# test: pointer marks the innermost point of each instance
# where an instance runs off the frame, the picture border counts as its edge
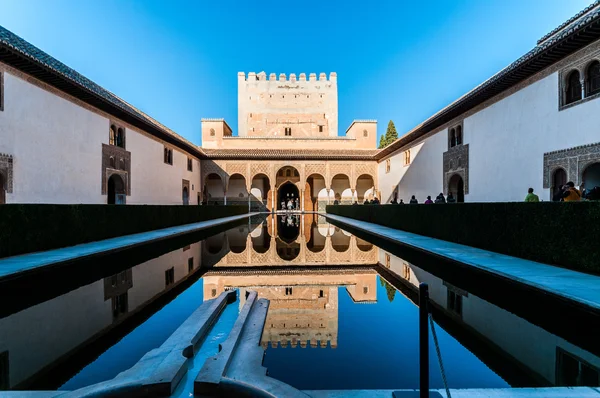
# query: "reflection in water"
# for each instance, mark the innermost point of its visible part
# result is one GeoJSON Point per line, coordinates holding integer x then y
{"type": "Point", "coordinates": [330, 314]}
{"type": "Point", "coordinates": [530, 355]}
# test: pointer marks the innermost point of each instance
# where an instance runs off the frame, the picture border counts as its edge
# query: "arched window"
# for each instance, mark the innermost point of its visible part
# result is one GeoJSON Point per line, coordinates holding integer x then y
{"type": "Point", "coordinates": [112, 137]}
{"type": "Point", "coordinates": [593, 78]}
{"type": "Point", "coordinates": [452, 138]}
{"type": "Point", "coordinates": [112, 162]}
{"type": "Point", "coordinates": [280, 173]}
{"type": "Point", "coordinates": [573, 88]}
{"type": "Point", "coordinates": [120, 138]}
{"type": "Point", "coordinates": [296, 174]}
{"type": "Point", "coordinates": [288, 173]}
{"type": "Point", "coordinates": [121, 164]}
{"type": "Point", "coordinates": [458, 135]}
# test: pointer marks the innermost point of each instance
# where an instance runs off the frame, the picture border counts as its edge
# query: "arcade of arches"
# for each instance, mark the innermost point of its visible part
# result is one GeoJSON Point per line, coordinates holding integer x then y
{"type": "Point", "coordinates": [307, 186]}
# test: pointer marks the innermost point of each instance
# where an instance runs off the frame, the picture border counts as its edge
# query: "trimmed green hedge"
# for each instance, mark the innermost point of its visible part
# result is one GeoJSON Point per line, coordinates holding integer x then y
{"type": "Point", "coordinates": [27, 228]}
{"type": "Point", "coordinates": [559, 233]}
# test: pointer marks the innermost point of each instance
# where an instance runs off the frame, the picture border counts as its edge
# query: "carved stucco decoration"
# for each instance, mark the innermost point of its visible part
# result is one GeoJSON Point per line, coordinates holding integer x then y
{"type": "Point", "coordinates": [573, 161]}
{"type": "Point", "coordinates": [115, 160]}
{"type": "Point", "coordinates": [456, 162]}
{"type": "Point", "coordinates": [6, 169]}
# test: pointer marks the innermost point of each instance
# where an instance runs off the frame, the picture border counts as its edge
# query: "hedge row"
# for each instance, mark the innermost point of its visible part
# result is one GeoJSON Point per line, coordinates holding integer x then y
{"type": "Point", "coordinates": [27, 228]}
{"type": "Point", "coordinates": [565, 234]}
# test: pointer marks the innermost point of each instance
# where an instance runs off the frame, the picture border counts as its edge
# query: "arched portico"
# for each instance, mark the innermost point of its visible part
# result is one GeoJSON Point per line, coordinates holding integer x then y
{"type": "Point", "coordinates": [260, 193]}
{"type": "Point", "coordinates": [342, 192]}
{"type": "Point", "coordinates": [214, 189]}
{"type": "Point", "coordinates": [237, 192]}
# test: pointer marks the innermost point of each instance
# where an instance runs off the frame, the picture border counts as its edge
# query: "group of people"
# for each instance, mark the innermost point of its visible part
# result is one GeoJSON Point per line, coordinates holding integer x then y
{"type": "Point", "coordinates": [438, 199]}
{"type": "Point", "coordinates": [291, 204]}
{"type": "Point", "coordinates": [569, 193]}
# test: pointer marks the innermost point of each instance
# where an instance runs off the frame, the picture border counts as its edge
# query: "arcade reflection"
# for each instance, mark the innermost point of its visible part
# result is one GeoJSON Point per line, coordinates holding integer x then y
{"type": "Point", "coordinates": [289, 239]}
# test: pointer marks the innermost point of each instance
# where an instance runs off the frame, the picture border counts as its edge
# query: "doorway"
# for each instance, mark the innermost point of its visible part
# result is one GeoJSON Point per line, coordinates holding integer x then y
{"type": "Point", "coordinates": [116, 190]}
{"type": "Point", "coordinates": [288, 192]}
{"type": "Point", "coordinates": [456, 185]}
{"type": "Point", "coordinates": [559, 178]}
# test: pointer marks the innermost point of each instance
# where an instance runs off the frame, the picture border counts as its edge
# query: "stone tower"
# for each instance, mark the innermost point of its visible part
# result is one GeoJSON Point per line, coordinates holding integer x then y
{"type": "Point", "coordinates": [299, 107]}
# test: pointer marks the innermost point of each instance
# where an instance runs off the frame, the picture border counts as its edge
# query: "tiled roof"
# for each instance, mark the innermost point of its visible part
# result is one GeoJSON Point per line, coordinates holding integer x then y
{"type": "Point", "coordinates": [24, 56]}
{"type": "Point", "coordinates": [570, 20]}
{"type": "Point", "coordinates": [555, 46]}
{"type": "Point", "coordinates": [268, 154]}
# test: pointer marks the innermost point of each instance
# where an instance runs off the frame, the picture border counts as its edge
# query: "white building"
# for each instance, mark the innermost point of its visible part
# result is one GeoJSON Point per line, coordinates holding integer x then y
{"type": "Point", "coordinates": [64, 139]}
{"type": "Point", "coordinates": [533, 124]}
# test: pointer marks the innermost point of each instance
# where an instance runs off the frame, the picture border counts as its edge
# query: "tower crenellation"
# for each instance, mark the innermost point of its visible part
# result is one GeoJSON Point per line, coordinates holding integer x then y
{"type": "Point", "coordinates": [287, 105]}
{"type": "Point", "coordinates": [252, 76]}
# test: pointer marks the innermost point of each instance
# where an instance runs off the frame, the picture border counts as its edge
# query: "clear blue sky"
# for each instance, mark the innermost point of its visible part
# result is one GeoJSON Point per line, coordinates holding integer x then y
{"type": "Point", "coordinates": [178, 60]}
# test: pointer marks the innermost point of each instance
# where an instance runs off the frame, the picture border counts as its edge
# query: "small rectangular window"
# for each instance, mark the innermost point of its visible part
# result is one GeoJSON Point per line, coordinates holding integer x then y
{"type": "Point", "coordinates": [407, 157]}
{"type": "Point", "coordinates": [320, 293]}
{"type": "Point", "coordinates": [388, 165]}
{"type": "Point", "coordinates": [169, 276]}
{"type": "Point", "coordinates": [320, 129]}
{"type": "Point", "coordinates": [189, 164]}
{"type": "Point", "coordinates": [190, 264]}
{"type": "Point", "coordinates": [454, 302]}
{"type": "Point", "coordinates": [365, 289]}
{"type": "Point", "coordinates": [387, 260]}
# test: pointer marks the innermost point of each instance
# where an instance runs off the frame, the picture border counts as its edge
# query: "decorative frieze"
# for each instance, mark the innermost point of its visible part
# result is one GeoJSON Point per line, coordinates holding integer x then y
{"type": "Point", "coordinates": [6, 169]}
{"type": "Point", "coordinates": [573, 161]}
{"type": "Point", "coordinates": [456, 162]}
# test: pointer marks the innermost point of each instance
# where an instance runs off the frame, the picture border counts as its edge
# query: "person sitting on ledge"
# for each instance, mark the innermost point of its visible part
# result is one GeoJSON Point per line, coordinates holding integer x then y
{"type": "Point", "coordinates": [375, 200]}
{"type": "Point", "coordinates": [450, 198]}
{"type": "Point", "coordinates": [531, 197]}
{"type": "Point", "coordinates": [429, 201]}
{"type": "Point", "coordinates": [401, 202]}
{"type": "Point", "coordinates": [440, 198]}
{"type": "Point", "coordinates": [335, 202]}
{"type": "Point", "coordinates": [394, 201]}
{"type": "Point", "coordinates": [355, 203]}
{"type": "Point", "coordinates": [413, 200]}
{"type": "Point", "coordinates": [570, 193]}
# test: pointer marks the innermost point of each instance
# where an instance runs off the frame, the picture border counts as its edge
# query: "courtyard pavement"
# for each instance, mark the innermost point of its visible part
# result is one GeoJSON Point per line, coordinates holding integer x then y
{"type": "Point", "coordinates": [13, 266]}
{"type": "Point", "coordinates": [573, 285]}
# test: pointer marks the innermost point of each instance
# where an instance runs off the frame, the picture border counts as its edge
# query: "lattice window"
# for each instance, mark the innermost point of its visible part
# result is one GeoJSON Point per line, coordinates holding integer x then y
{"type": "Point", "coordinates": [573, 92]}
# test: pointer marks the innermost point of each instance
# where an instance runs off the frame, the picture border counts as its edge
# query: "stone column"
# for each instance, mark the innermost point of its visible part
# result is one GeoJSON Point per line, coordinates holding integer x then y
{"type": "Point", "coordinates": [273, 204]}
{"type": "Point", "coordinates": [582, 82]}
{"type": "Point", "coordinates": [225, 198]}
{"type": "Point", "coordinates": [301, 200]}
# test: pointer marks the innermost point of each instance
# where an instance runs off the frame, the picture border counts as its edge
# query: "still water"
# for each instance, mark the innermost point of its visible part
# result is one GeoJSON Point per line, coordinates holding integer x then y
{"type": "Point", "coordinates": [342, 315]}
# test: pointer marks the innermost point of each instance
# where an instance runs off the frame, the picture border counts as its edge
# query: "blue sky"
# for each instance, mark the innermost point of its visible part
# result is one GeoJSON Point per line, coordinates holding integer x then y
{"type": "Point", "coordinates": [178, 60]}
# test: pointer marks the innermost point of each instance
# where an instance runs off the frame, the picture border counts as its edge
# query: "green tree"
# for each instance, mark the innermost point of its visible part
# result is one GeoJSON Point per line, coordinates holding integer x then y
{"type": "Point", "coordinates": [382, 143]}
{"type": "Point", "coordinates": [390, 136]}
{"type": "Point", "coordinates": [390, 290]}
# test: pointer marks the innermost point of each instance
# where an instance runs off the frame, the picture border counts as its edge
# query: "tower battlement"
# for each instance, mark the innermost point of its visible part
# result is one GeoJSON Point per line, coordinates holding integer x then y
{"type": "Point", "coordinates": [295, 105]}
{"type": "Point", "coordinates": [282, 77]}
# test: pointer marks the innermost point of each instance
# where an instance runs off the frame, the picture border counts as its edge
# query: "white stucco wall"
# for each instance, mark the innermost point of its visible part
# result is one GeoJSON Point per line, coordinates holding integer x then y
{"type": "Point", "coordinates": [57, 152]}
{"type": "Point", "coordinates": [422, 177]}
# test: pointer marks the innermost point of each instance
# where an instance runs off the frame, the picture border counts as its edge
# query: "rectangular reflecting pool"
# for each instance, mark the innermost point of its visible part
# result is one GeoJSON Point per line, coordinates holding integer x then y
{"type": "Point", "coordinates": [342, 315]}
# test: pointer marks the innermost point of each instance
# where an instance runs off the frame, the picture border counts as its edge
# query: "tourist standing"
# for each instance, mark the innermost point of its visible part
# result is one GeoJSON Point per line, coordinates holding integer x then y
{"type": "Point", "coordinates": [394, 201]}
{"type": "Point", "coordinates": [297, 204]}
{"type": "Point", "coordinates": [571, 194]}
{"type": "Point", "coordinates": [450, 198]}
{"type": "Point", "coordinates": [429, 201]}
{"type": "Point", "coordinates": [531, 197]}
{"type": "Point", "coordinates": [413, 200]}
